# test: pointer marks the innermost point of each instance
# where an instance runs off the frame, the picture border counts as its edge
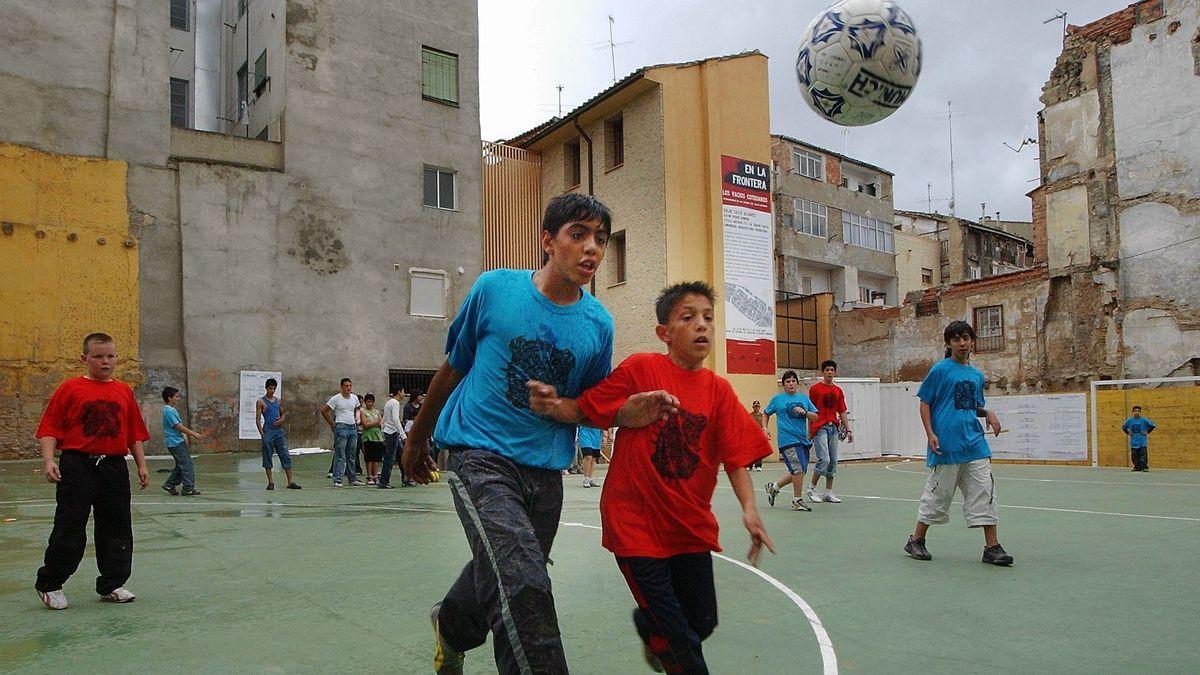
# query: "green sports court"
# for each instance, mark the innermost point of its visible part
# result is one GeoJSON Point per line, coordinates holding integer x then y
{"type": "Point", "coordinates": [322, 580]}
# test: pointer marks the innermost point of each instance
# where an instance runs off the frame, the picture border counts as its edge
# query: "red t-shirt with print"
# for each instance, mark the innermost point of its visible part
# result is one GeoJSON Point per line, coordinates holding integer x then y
{"type": "Point", "coordinates": [657, 499]}
{"type": "Point", "coordinates": [99, 418]}
{"type": "Point", "coordinates": [830, 401]}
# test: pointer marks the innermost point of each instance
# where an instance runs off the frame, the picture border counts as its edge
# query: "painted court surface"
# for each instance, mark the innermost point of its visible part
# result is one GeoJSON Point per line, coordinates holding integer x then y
{"type": "Point", "coordinates": [322, 580]}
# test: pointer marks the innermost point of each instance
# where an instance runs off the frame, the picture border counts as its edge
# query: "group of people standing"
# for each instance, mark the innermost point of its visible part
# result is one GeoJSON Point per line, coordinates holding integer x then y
{"type": "Point", "coordinates": [361, 428]}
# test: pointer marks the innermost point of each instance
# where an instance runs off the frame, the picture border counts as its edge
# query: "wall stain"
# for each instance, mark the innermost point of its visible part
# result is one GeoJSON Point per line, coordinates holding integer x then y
{"type": "Point", "coordinates": [316, 240]}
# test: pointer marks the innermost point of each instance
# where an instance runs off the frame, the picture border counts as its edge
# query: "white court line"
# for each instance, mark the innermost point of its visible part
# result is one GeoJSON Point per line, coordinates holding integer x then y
{"type": "Point", "coordinates": [828, 656]}
{"type": "Point", "coordinates": [1044, 508]}
{"type": "Point", "coordinates": [889, 467]}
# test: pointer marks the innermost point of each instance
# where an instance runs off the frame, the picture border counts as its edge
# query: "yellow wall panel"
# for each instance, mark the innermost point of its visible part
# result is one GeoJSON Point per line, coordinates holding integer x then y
{"type": "Point", "coordinates": [1172, 445]}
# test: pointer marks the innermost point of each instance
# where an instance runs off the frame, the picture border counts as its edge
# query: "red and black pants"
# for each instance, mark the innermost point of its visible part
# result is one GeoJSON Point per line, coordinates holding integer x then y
{"type": "Point", "coordinates": [677, 607]}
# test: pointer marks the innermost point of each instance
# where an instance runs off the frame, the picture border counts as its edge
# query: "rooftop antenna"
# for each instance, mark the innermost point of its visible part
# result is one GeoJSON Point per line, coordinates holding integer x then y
{"type": "Point", "coordinates": [950, 128]}
{"type": "Point", "coordinates": [1061, 16]}
{"type": "Point", "coordinates": [612, 46]}
{"type": "Point", "coordinates": [560, 88]}
{"type": "Point", "coordinates": [928, 197]}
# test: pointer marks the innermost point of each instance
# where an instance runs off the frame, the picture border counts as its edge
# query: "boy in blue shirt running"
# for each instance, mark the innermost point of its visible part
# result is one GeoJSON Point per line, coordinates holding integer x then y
{"type": "Point", "coordinates": [513, 327]}
{"type": "Point", "coordinates": [794, 410]}
{"type": "Point", "coordinates": [958, 455]}
{"type": "Point", "coordinates": [175, 437]}
{"type": "Point", "coordinates": [1138, 429]}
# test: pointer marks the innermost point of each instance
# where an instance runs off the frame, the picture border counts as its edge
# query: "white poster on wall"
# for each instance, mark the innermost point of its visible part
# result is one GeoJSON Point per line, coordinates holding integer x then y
{"type": "Point", "coordinates": [251, 388]}
{"type": "Point", "coordinates": [1049, 427]}
{"type": "Point", "coordinates": [749, 267]}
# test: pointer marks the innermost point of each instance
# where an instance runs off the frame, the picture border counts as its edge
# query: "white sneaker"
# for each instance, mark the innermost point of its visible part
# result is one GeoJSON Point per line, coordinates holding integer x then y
{"type": "Point", "coordinates": [587, 483]}
{"type": "Point", "coordinates": [121, 594]}
{"type": "Point", "coordinates": [54, 599]}
{"type": "Point", "coordinates": [758, 468]}
{"type": "Point", "coordinates": [772, 491]}
{"type": "Point", "coordinates": [811, 494]}
{"type": "Point", "coordinates": [832, 498]}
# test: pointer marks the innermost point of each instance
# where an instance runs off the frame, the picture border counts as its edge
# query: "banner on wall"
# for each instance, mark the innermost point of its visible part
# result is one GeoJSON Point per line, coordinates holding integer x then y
{"type": "Point", "coordinates": [749, 260]}
{"type": "Point", "coordinates": [251, 388]}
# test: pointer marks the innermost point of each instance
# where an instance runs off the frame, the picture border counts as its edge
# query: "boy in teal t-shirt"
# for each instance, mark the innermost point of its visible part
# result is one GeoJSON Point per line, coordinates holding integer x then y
{"type": "Point", "coordinates": [175, 437]}
{"type": "Point", "coordinates": [1138, 429]}
{"type": "Point", "coordinates": [794, 410]}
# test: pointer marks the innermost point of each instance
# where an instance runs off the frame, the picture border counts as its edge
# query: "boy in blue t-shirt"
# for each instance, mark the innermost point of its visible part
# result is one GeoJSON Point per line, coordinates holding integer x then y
{"type": "Point", "coordinates": [589, 440]}
{"type": "Point", "coordinates": [794, 410]}
{"type": "Point", "coordinates": [175, 437]}
{"type": "Point", "coordinates": [1138, 429]}
{"type": "Point", "coordinates": [513, 327]}
{"type": "Point", "coordinates": [958, 455]}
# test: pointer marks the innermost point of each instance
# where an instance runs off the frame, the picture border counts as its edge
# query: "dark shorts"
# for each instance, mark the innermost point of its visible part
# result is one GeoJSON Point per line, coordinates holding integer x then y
{"type": "Point", "coordinates": [373, 451]}
{"type": "Point", "coordinates": [590, 452]}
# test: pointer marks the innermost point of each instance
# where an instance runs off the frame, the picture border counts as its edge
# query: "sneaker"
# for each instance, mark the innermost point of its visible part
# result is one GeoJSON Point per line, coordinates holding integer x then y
{"type": "Point", "coordinates": [54, 599]}
{"type": "Point", "coordinates": [651, 659]}
{"type": "Point", "coordinates": [358, 483]}
{"type": "Point", "coordinates": [337, 483]}
{"type": "Point", "coordinates": [293, 486]}
{"type": "Point", "coordinates": [386, 486]}
{"type": "Point", "coordinates": [832, 498]}
{"type": "Point", "coordinates": [120, 594]}
{"type": "Point", "coordinates": [772, 491]}
{"type": "Point", "coordinates": [595, 483]}
{"type": "Point", "coordinates": [996, 555]}
{"type": "Point", "coordinates": [170, 489]}
{"type": "Point", "coordinates": [587, 483]}
{"type": "Point", "coordinates": [329, 475]}
{"type": "Point", "coordinates": [446, 661]}
{"type": "Point", "coordinates": [408, 483]}
{"type": "Point", "coordinates": [799, 505]}
{"type": "Point", "coordinates": [916, 549]}
{"type": "Point", "coordinates": [270, 486]}
{"type": "Point", "coordinates": [190, 493]}
{"type": "Point", "coordinates": [371, 481]}
{"type": "Point", "coordinates": [811, 493]}
{"type": "Point", "coordinates": [758, 468]}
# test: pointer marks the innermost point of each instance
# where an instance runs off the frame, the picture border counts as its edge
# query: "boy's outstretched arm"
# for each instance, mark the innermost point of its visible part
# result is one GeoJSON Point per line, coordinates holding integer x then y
{"type": "Point", "coordinates": [639, 410]}
{"type": "Point", "coordinates": [743, 488]}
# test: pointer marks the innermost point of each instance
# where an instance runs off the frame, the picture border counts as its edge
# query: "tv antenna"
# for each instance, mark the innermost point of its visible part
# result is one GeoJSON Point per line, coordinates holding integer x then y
{"type": "Point", "coordinates": [1061, 16]}
{"type": "Point", "coordinates": [950, 131]}
{"type": "Point", "coordinates": [612, 46]}
{"type": "Point", "coordinates": [560, 88]}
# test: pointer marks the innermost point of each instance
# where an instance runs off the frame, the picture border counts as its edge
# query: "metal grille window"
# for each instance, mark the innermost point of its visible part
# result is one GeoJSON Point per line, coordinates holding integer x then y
{"type": "Point", "coordinates": [795, 331]}
{"type": "Point", "coordinates": [867, 232]}
{"type": "Point", "coordinates": [179, 103]}
{"type": "Point", "coordinates": [439, 76]}
{"type": "Point", "coordinates": [808, 164]}
{"type": "Point", "coordinates": [811, 218]}
{"type": "Point", "coordinates": [179, 14]}
{"type": "Point", "coordinates": [440, 188]}
{"type": "Point", "coordinates": [989, 328]}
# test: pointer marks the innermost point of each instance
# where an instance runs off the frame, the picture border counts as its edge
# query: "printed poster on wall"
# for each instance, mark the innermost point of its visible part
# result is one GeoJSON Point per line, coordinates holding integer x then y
{"type": "Point", "coordinates": [749, 261]}
{"type": "Point", "coordinates": [251, 388]}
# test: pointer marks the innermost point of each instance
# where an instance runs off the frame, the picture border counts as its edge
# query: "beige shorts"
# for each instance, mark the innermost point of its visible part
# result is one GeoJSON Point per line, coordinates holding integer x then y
{"type": "Point", "coordinates": [978, 487]}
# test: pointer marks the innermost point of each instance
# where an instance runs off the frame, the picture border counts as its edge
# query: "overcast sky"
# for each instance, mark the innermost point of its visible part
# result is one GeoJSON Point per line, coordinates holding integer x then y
{"type": "Point", "coordinates": [990, 59]}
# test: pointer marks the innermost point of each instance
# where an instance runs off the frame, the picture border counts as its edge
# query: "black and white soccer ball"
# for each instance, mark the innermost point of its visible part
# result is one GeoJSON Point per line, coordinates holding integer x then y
{"type": "Point", "coordinates": [859, 61]}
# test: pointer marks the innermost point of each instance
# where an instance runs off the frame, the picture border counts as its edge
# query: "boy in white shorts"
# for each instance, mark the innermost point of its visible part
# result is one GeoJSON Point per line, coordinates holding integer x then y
{"type": "Point", "coordinates": [958, 456]}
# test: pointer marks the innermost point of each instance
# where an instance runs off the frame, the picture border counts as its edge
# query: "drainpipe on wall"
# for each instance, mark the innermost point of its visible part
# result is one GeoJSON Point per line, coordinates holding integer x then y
{"type": "Point", "coordinates": [591, 179]}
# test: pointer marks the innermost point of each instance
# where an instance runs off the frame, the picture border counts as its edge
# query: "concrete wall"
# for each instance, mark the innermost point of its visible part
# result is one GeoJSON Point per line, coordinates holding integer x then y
{"type": "Point", "coordinates": [73, 270]}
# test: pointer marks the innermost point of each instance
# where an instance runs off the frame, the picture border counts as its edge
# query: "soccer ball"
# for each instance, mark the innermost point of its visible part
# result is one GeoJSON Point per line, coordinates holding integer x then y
{"type": "Point", "coordinates": [858, 61]}
{"type": "Point", "coordinates": [435, 475]}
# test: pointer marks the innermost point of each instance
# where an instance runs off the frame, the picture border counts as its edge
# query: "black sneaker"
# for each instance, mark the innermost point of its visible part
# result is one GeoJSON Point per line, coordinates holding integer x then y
{"type": "Point", "coordinates": [270, 486]}
{"type": "Point", "coordinates": [996, 555]}
{"type": "Point", "coordinates": [190, 493]}
{"type": "Point", "coordinates": [916, 548]}
{"type": "Point", "coordinates": [386, 486]}
{"type": "Point", "coordinates": [170, 489]}
{"type": "Point", "coordinates": [293, 486]}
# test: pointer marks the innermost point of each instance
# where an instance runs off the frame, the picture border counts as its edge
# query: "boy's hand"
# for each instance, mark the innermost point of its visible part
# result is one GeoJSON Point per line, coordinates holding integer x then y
{"type": "Point", "coordinates": [758, 536]}
{"type": "Point", "coordinates": [417, 463]}
{"type": "Point", "coordinates": [50, 469]}
{"type": "Point", "coordinates": [933, 444]}
{"type": "Point", "coordinates": [144, 476]}
{"type": "Point", "coordinates": [993, 423]}
{"type": "Point", "coordinates": [648, 407]}
{"type": "Point", "coordinates": [543, 398]}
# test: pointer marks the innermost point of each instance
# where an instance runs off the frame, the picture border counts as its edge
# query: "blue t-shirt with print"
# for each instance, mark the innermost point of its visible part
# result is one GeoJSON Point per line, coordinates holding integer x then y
{"type": "Point", "coordinates": [1138, 428]}
{"type": "Point", "coordinates": [793, 426]}
{"type": "Point", "coordinates": [171, 436]}
{"type": "Point", "coordinates": [508, 333]}
{"type": "Point", "coordinates": [953, 391]}
{"type": "Point", "coordinates": [589, 437]}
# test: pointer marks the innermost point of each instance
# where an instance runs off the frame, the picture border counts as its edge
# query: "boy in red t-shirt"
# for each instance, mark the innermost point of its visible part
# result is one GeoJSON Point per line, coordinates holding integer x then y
{"type": "Point", "coordinates": [656, 506]}
{"type": "Point", "coordinates": [825, 431]}
{"type": "Point", "coordinates": [95, 421]}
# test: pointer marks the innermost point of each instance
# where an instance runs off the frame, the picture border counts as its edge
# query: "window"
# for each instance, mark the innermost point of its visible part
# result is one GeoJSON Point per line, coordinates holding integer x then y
{"type": "Point", "coordinates": [614, 142]}
{"type": "Point", "coordinates": [440, 188]}
{"type": "Point", "coordinates": [795, 331]}
{"type": "Point", "coordinates": [439, 76]}
{"type": "Point", "coordinates": [260, 73]}
{"type": "Point", "coordinates": [808, 164]}
{"type": "Point", "coordinates": [616, 250]}
{"type": "Point", "coordinates": [989, 328]}
{"type": "Point", "coordinates": [867, 232]}
{"type": "Point", "coordinates": [973, 272]}
{"type": "Point", "coordinates": [179, 103]}
{"type": "Point", "coordinates": [811, 218]}
{"type": "Point", "coordinates": [241, 7]}
{"type": "Point", "coordinates": [926, 276]}
{"type": "Point", "coordinates": [806, 285]}
{"type": "Point", "coordinates": [179, 14]}
{"type": "Point", "coordinates": [928, 307]}
{"type": "Point", "coordinates": [869, 296]}
{"type": "Point", "coordinates": [571, 170]}
{"type": "Point", "coordinates": [243, 88]}
{"type": "Point", "coordinates": [427, 293]}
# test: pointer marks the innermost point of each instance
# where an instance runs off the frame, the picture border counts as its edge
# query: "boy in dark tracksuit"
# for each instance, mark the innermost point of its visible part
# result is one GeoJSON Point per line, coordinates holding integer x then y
{"type": "Point", "coordinates": [94, 421]}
